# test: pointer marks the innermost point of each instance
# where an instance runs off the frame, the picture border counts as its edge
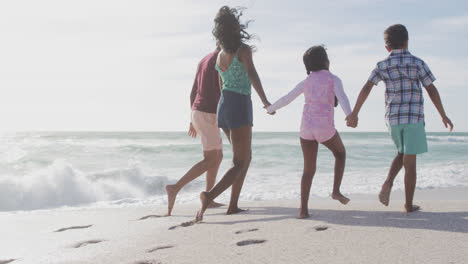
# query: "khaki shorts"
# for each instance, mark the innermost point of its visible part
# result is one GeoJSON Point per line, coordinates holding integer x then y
{"type": "Point", "coordinates": [207, 128]}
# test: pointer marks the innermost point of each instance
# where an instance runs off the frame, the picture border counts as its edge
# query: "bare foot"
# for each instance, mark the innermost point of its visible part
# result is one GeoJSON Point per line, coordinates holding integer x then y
{"type": "Point", "coordinates": [384, 195]}
{"type": "Point", "coordinates": [205, 201]}
{"type": "Point", "coordinates": [340, 197]}
{"type": "Point", "coordinates": [198, 217]}
{"type": "Point", "coordinates": [214, 204]}
{"type": "Point", "coordinates": [413, 208]}
{"type": "Point", "coordinates": [235, 211]}
{"type": "Point", "coordinates": [171, 197]}
{"type": "Point", "coordinates": [303, 214]}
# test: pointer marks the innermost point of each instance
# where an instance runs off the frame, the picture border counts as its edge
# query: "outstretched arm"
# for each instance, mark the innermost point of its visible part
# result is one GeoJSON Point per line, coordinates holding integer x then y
{"type": "Point", "coordinates": [435, 97]}
{"type": "Point", "coordinates": [287, 99]}
{"type": "Point", "coordinates": [341, 95]}
{"type": "Point", "coordinates": [352, 119]}
{"type": "Point", "coordinates": [245, 56]}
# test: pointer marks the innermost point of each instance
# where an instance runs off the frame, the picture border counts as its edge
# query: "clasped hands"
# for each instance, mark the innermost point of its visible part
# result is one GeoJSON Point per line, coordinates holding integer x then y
{"type": "Point", "coordinates": [266, 104]}
{"type": "Point", "coordinates": [352, 120]}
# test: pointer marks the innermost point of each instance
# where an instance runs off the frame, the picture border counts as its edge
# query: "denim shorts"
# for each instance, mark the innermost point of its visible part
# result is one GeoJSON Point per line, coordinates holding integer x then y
{"type": "Point", "coordinates": [234, 110]}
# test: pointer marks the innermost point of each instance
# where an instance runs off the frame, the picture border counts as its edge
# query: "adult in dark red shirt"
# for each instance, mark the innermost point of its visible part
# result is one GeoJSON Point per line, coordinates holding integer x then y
{"type": "Point", "coordinates": [203, 102]}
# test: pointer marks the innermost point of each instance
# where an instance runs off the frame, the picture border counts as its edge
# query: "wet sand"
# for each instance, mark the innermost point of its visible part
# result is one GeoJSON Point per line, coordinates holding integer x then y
{"type": "Point", "coordinates": [363, 231]}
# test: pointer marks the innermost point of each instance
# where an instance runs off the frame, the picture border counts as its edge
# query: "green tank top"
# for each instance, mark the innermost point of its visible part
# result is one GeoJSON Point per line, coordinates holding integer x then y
{"type": "Point", "coordinates": [235, 78]}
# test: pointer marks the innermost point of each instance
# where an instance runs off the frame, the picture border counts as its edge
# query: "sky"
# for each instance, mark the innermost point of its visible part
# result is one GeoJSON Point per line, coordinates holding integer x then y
{"type": "Point", "coordinates": [115, 65]}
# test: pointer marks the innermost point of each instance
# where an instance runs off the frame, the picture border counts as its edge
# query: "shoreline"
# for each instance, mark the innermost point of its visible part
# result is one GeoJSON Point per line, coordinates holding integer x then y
{"type": "Point", "coordinates": [428, 194]}
{"type": "Point", "coordinates": [363, 231]}
{"type": "Point", "coordinates": [439, 194]}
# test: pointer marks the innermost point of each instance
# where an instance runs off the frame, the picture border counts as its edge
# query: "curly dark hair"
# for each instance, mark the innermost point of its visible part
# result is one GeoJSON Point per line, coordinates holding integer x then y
{"type": "Point", "coordinates": [396, 36]}
{"type": "Point", "coordinates": [315, 59]}
{"type": "Point", "coordinates": [228, 30]}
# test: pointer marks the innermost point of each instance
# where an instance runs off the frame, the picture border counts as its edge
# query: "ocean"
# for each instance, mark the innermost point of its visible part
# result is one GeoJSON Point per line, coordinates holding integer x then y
{"type": "Point", "coordinates": [44, 170]}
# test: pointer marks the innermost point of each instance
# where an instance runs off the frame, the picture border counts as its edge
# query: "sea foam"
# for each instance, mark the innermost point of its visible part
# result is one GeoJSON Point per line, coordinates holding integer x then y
{"type": "Point", "coordinates": [50, 170]}
{"type": "Point", "coordinates": [60, 184]}
{"type": "Point", "coordinates": [448, 139]}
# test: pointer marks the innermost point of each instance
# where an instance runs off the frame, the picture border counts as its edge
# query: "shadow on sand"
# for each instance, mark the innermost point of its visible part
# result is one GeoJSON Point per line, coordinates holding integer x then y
{"type": "Point", "coordinates": [437, 221]}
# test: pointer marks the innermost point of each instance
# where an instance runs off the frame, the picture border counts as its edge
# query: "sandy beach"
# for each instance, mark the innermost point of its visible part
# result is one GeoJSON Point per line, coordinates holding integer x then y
{"type": "Point", "coordinates": [108, 107]}
{"type": "Point", "coordinates": [361, 232]}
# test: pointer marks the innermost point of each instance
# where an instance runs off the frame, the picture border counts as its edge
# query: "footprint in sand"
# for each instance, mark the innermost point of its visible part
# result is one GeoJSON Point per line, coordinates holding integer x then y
{"type": "Point", "coordinates": [320, 228]}
{"type": "Point", "coordinates": [184, 224]}
{"type": "Point", "coordinates": [158, 248]}
{"type": "Point", "coordinates": [250, 242]}
{"type": "Point", "coordinates": [87, 242]}
{"type": "Point", "coordinates": [147, 262]}
{"type": "Point", "coordinates": [151, 216]}
{"type": "Point", "coordinates": [246, 231]}
{"type": "Point", "coordinates": [6, 261]}
{"type": "Point", "coordinates": [73, 227]}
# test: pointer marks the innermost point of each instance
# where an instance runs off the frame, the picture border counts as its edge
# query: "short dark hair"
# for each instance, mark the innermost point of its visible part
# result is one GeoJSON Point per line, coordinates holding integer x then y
{"type": "Point", "coordinates": [315, 59]}
{"type": "Point", "coordinates": [396, 36]}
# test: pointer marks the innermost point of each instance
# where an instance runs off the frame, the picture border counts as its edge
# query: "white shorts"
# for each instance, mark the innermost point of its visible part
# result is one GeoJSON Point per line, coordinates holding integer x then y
{"type": "Point", "coordinates": [207, 128]}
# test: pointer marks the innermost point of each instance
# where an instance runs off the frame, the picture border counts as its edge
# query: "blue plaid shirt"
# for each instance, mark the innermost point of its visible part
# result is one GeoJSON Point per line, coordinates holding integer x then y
{"type": "Point", "coordinates": [402, 74]}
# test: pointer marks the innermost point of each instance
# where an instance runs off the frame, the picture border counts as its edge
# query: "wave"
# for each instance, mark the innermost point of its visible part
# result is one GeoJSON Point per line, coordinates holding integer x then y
{"type": "Point", "coordinates": [449, 139]}
{"type": "Point", "coordinates": [34, 174]}
{"type": "Point", "coordinates": [12, 154]}
{"type": "Point", "coordinates": [430, 176]}
{"type": "Point", "coordinates": [62, 185]}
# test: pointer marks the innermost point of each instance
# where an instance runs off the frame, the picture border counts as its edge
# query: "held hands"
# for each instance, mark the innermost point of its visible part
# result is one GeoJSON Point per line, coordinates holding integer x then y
{"type": "Point", "coordinates": [192, 132]}
{"type": "Point", "coordinates": [266, 104]}
{"type": "Point", "coordinates": [352, 120]}
{"type": "Point", "coordinates": [447, 122]}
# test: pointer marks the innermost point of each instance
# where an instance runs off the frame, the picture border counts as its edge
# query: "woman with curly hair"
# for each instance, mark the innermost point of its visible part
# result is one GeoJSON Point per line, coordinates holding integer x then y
{"type": "Point", "coordinates": [237, 74]}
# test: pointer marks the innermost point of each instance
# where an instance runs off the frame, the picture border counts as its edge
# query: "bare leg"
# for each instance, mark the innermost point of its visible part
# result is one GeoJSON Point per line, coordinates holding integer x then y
{"type": "Point", "coordinates": [240, 140]}
{"type": "Point", "coordinates": [309, 152]}
{"type": "Point", "coordinates": [337, 148]}
{"type": "Point", "coordinates": [409, 162]}
{"type": "Point", "coordinates": [211, 179]}
{"type": "Point", "coordinates": [211, 160]}
{"type": "Point", "coordinates": [237, 185]}
{"type": "Point", "coordinates": [232, 209]}
{"type": "Point", "coordinates": [236, 190]}
{"type": "Point", "coordinates": [213, 171]}
{"type": "Point", "coordinates": [397, 164]}
{"type": "Point", "coordinates": [228, 134]}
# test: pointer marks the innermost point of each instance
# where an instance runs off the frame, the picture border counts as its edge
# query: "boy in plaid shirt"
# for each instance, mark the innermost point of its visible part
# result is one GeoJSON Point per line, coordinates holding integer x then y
{"type": "Point", "coordinates": [403, 75]}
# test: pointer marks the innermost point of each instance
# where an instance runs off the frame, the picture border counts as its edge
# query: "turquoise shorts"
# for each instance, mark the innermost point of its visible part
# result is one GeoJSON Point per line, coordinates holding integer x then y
{"type": "Point", "coordinates": [409, 139]}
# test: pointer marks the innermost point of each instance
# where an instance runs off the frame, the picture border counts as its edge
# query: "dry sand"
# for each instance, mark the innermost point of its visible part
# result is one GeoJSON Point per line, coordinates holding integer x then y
{"type": "Point", "coordinates": [361, 232]}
